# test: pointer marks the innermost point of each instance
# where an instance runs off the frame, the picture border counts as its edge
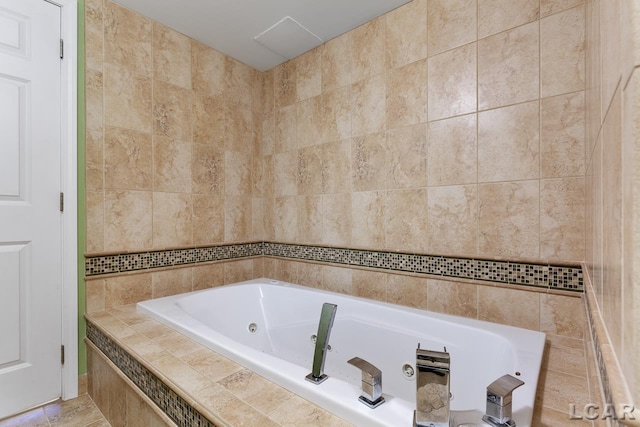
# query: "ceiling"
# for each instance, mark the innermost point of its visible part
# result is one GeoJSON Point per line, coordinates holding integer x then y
{"type": "Point", "coordinates": [286, 28]}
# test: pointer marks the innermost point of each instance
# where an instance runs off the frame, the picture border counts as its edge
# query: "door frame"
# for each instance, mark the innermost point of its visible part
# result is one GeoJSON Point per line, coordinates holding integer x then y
{"type": "Point", "coordinates": [69, 185]}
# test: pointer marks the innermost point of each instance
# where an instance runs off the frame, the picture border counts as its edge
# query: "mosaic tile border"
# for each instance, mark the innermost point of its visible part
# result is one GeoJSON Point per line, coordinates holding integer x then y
{"type": "Point", "coordinates": [174, 406]}
{"type": "Point", "coordinates": [565, 278]}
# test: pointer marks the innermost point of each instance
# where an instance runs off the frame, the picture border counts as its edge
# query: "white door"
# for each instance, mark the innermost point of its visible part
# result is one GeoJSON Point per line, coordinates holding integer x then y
{"type": "Point", "coordinates": [30, 218]}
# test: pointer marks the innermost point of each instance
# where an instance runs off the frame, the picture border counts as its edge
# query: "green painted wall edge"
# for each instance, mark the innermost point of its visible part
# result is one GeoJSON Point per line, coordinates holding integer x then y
{"type": "Point", "coordinates": [82, 349]}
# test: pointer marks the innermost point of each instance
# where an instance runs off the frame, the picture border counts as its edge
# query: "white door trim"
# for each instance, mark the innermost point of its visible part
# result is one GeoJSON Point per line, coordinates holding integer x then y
{"type": "Point", "coordinates": [69, 167]}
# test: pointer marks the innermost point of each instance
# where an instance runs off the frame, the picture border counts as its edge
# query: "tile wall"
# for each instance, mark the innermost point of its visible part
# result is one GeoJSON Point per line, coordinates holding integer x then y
{"type": "Point", "coordinates": [172, 134]}
{"type": "Point", "coordinates": [445, 127]}
{"type": "Point", "coordinates": [611, 157]}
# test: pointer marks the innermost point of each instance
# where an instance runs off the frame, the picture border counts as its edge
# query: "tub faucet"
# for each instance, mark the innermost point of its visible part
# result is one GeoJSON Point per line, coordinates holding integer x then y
{"type": "Point", "coordinates": [327, 315]}
{"type": "Point", "coordinates": [371, 394]}
{"type": "Point", "coordinates": [432, 388]}
{"type": "Point", "coordinates": [499, 401]}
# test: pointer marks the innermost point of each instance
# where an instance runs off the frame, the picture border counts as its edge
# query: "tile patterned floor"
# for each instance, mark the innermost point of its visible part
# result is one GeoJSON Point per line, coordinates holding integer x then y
{"type": "Point", "coordinates": [78, 412]}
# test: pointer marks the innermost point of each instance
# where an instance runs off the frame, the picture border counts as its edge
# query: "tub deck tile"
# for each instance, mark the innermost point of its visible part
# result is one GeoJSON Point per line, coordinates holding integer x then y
{"type": "Point", "coordinates": [212, 385]}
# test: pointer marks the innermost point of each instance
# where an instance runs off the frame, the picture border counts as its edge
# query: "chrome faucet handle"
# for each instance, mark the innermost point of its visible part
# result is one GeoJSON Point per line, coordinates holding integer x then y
{"type": "Point", "coordinates": [371, 393]}
{"type": "Point", "coordinates": [499, 398]}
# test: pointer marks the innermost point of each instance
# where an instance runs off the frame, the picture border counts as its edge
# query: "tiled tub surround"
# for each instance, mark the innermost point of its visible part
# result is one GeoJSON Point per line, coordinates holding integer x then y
{"type": "Point", "coordinates": [195, 385]}
{"type": "Point", "coordinates": [221, 389]}
{"type": "Point", "coordinates": [381, 139]}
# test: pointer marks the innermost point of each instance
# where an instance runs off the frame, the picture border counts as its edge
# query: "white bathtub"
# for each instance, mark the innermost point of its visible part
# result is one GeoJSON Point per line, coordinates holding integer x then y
{"type": "Point", "coordinates": [386, 335]}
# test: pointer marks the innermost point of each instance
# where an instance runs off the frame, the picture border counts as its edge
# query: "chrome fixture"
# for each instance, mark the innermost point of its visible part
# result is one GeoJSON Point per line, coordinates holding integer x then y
{"type": "Point", "coordinates": [371, 394]}
{"type": "Point", "coordinates": [432, 388]}
{"type": "Point", "coordinates": [499, 398]}
{"type": "Point", "coordinates": [327, 315]}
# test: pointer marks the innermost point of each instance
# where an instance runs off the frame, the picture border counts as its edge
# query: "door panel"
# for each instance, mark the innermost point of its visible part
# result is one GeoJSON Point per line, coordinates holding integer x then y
{"type": "Point", "coordinates": [30, 220]}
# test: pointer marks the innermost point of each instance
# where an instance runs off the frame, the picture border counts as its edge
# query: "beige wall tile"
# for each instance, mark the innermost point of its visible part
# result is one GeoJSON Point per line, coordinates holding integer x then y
{"type": "Point", "coordinates": [309, 175]}
{"type": "Point", "coordinates": [508, 67]}
{"type": "Point", "coordinates": [610, 50]}
{"type": "Point", "coordinates": [95, 296]}
{"type": "Point", "coordinates": [406, 223]}
{"type": "Point", "coordinates": [367, 49]}
{"type": "Point", "coordinates": [309, 74]}
{"type": "Point", "coordinates": [171, 282]}
{"type": "Point", "coordinates": [309, 122]}
{"type": "Point", "coordinates": [406, 95]}
{"type": "Point", "coordinates": [368, 228]}
{"type": "Point", "coordinates": [240, 128]}
{"type": "Point", "coordinates": [548, 7]}
{"type": "Point", "coordinates": [238, 271]}
{"type": "Point", "coordinates": [368, 162]}
{"type": "Point", "coordinates": [286, 174]}
{"type": "Point", "coordinates": [336, 167]}
{"type": "Point", "coordinates": [94, 34]}
{"type": "Point", "coordinates": [508, 219]}
{"type": "Point", "coordinates": [370, 284]}
{"type": "Point", "coordinates": [237, 218]}
{"type": "Point", "coordinates": [128, 160]}
{"type": "Point", "coordinates": [495, 16]}
{"type": "Point", "coordinates": [237, 168]}
{"type": "Point", "coordinates": [127, 39]}
{"type": "Point", "coordinates": [94, 100]}
{"type": "Point", "coordinates": [172, 220]}
{"type": "Point", "coordinates": [459, 299]}
{"type": "Point", "coordinates": [310, 274]}
{"type": "Point", "coordinates": [172, 111]}
{"type": "Point", "coordinates": [94, 160]}
{"type": "Point", "coordinates": [268, 91]}
{"type": "Point", "coordinates": [129, 289]}
{"type": "Point", "coordinates": [268, 134]}
{"type": "Point", "coordinates": [171, 56]}
{"type": "Point", "coordinates": [452, 151]}
{"type": "Point", "coordinates": [368, 106]}
{"type": "Point", "coordinates": [453, 220]}
{"type": "Point", "coordinates": [208, 219]}
{"type": "Point", "coordinates": [207, 276]}
{"type": "Point", "coordinates": [336, 219]}
{"type": "Point", "coordinates": [450, 24]}
{"type": "Point", "coordinates": [509, 307]}
{"type": "Point", "coordinates": [407, 157]}
{"type": "Point", "coordinates": [408, 291]}
{"type": "Point", "coordinates": [562, 135]}
{"type": "Point", "coordinates": [406, 34]}
{"type": "Point", "coordinates": [258, 222]}
{"type": "Point", "coordinates": [562, 315]}
{"type": "Point", "coordinates": [285, 131]}
{"type": "Point", "coordinates": [285, 86]}
{"type": "Point", "coordinates": [562, 52]}
{"type": "Point", "coordinates": [127, 99]}
{"type": "Point", "coordinates": [336, 114]}
{"type": "Point", "coordinates": [171, 165]}
{"type": "Point", "coordinates": [336, 62]}
{"type": "Point", "coordinates": [208, 119]}
{"type": "Point", "coordinates": [95, 221]}
{"type": "Point", "coordinates": [207, 70]}
{"type": "Point", "coordinates": [509, 143]}
{"type": "Point", "coordinates": [207, 169]}
{"type": "Point", "coordinates": [309, 219]}
{"type": "Point", "coordinates": [453, 83]}
{"type": "Point", "coordinates": [337, 279]}
{"type": "Point", "coordinates": [238, 83]}
{"type": "Point", "coordinates": [562, 222]}
{"type": "Point", "coordinates": [127, 220]}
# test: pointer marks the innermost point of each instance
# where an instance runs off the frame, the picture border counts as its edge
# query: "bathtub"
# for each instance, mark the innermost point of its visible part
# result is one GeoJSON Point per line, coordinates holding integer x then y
{"type": "Point", "coordinates": [266, 326]}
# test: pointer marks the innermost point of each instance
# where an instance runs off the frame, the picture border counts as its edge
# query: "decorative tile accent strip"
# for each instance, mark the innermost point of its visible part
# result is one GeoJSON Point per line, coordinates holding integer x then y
{"type": "Point", "coordinates": [564, 278]}
{"type": "Point", "coordinates": [176, 408]}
